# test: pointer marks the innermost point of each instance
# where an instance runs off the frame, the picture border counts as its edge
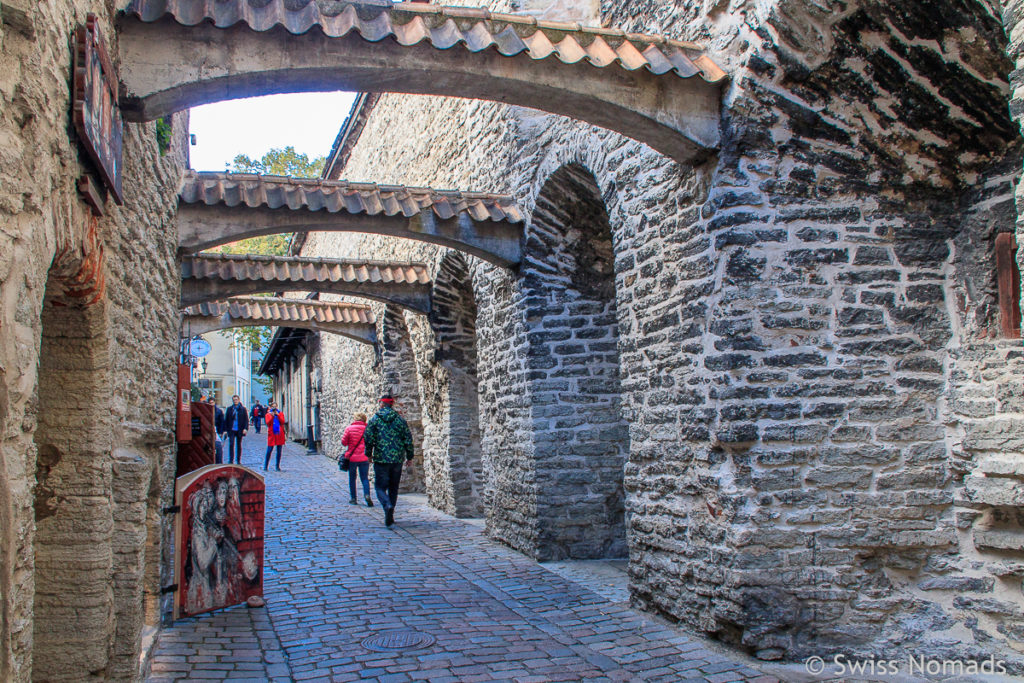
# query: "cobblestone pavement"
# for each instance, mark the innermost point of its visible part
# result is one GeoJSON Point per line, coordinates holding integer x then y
{"type": "Point", "coordinates": [336, 575]}
{"type": "Point", "coordinates": [607, 578]}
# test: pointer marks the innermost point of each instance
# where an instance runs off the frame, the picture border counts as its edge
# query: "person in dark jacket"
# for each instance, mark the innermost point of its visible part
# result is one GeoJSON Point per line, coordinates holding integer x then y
{"type": "Point", "coordinates": [257, 415]}
{"type": "Point", "coordinates": [236, 420]}
{"type": "Point", "coordinates": [388, 444]}
{"type": "Point", "coordinates": [218, 426]}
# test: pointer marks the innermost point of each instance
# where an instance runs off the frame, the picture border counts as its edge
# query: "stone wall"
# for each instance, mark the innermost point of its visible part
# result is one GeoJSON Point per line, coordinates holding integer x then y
{"type": "Point", "coordinates": [814, 399]}
{"type": "Point", "coordinates": [87, 439]}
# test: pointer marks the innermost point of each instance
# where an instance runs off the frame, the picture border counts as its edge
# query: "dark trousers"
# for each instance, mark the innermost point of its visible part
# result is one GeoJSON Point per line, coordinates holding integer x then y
{"type": "Point", "coordinates": [386, 477]}
{"type": "Point", "coordinates": [234, 447]}
{"type": "Point", "coordinates": [256, 421]}
{"type": "Point", "coordinates": [266, 462]}
{"type": "Point", "coordinates": [218, 452]}
{"type": "Point", "coordinates": [363, 470]}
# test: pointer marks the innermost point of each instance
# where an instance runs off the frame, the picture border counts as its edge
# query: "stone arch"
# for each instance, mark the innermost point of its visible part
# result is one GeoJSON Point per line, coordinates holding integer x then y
{"type": "Point", "coordinates": [454, 397]}
{"type": "Point", "coordinates": [581, 440]}
{"type": "Point", "coordinates": [73, 605]}
{"type": "Point", "coordinates": [400, 379]}
{"type": "Point", "coordinates": [663, 93]}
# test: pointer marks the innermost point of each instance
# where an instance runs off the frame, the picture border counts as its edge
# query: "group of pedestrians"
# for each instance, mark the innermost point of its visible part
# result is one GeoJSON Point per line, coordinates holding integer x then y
{"type": "Point", "coordinates": [385, 441]}
{"type": "Point", "coordinates": [231, 425]}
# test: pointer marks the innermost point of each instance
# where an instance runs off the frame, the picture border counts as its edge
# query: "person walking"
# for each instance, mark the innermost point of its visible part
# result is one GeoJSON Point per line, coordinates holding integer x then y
{"type": "Point", "coordinates": [388, 443]}
{"type": "Point", "coordinates": [236, 419]}
{"type": "Point", "coordinates": [277, 425]}
{"type": "Point", "coordinates": [257, 415]}
{"type": "Point", "coordinates": [358, 463]}
{"type": "Point", "coordinates": [218, 429]}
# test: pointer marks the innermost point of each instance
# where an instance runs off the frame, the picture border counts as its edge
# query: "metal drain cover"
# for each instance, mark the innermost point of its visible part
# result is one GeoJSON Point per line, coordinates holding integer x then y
{"type": "Point", "coordinates": [397, 640]}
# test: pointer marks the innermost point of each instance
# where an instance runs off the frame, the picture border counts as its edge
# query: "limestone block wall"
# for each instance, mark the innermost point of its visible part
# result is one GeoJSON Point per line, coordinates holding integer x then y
{"type": "Point", "coordinates": [804, 326]}
{"type": "Point", "coordinates": [86, 391]}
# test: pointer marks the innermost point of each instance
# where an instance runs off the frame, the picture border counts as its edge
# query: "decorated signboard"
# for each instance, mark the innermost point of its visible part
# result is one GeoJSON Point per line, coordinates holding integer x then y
{"type": "Point", "coordinates": [97, 117]}
{"type": "Point", "coordinates": [218, 537]}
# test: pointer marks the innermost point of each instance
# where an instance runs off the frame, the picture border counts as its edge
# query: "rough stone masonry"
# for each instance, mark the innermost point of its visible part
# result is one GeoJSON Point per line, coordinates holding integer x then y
{"type": "Point", "coordinates": [796, 410]}
{"type": "Point", "coordinates": [88, 340]}
{"type": "Point", "coordinates": [776, 381]}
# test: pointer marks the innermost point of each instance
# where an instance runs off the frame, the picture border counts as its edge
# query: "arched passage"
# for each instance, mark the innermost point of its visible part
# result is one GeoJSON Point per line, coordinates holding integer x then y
{"type": "Point", "coordinates": [400, 380]}
{"type": "Point", "coordinates": [354, 321]}
{"type": "Point", "coordinates": [73, 610]}
{"type": "Point", "coordinates": [218, 208]}
{"type": "Point", "coordinates": [454, 394]}
{"type": "Point", "coordinates": [581, 441]}
{"type": "Point", "coordinates": [178, 55]}
{"type": "Point", "coordinates": [212, 277]}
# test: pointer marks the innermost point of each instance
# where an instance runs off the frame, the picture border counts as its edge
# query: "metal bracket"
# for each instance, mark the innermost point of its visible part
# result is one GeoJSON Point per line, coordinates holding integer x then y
{"type": "Point", "coordinates": [172, 510]}
{"type": "Point", "coordinates": [173, 588]}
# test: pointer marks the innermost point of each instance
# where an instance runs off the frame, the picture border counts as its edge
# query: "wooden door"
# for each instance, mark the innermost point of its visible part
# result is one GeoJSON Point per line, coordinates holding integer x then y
{"type": "Point", "coordinates": [199, 452]}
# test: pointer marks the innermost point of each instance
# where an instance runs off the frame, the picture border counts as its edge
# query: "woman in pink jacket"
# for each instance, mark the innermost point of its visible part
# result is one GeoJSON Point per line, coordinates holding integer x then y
{"type": "Point", "coordinates": [352, 439]}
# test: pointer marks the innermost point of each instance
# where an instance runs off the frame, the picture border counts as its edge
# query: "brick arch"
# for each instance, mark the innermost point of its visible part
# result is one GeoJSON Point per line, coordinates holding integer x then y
{"type": "Point", "coordinates": [400, 379]}
{"type": "Point", "coordinates": [74, 612]}
{"type": "Point", "coordinates": [452, 383]}
{"type": "Point", "coordinates": [580, 440]}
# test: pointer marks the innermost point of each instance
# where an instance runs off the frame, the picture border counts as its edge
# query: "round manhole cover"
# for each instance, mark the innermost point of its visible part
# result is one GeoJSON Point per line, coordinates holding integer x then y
{"type": "Point", "coordinates": [397, 640]}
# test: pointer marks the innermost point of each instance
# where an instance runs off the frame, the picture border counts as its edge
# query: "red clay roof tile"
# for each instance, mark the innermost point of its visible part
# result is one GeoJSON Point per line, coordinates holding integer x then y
{"type": "Point", "coordinates": [444, 27]}
{"type": "Point", "coordinates": [333, 196]}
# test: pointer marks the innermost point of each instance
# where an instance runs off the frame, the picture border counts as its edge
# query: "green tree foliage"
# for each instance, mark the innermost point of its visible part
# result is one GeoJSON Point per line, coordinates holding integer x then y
{"type": "Point", "coordinates": [275, 162]}
{"type": "Point", "coordinates": [269, 245]}
{"type": "Point", "coordinates": [281, 162]}
{"type": "Point", "coordinates": [285, 162]}
{"type": "Point", "coordinates": [256, 338]}
{"type": "Point", "coordinates": [163, 134]}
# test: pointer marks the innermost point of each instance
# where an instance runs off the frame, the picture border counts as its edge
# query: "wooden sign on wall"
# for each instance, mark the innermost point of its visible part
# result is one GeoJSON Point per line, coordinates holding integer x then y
{"type": "Point", "coordinates": [96, 116]}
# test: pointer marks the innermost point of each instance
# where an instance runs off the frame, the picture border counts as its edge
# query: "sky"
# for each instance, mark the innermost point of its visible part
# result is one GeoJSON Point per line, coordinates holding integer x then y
{"type": "Point", "coordinates": [309, 122]}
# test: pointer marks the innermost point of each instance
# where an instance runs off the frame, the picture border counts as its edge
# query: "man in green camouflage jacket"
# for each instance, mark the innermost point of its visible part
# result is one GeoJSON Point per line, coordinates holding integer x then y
{"type": "Point", "coordinates": [388, 444]}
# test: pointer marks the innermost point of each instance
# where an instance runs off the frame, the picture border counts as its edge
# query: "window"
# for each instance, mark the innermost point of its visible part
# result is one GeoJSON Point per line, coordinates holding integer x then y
{"type": "Point", "coordinates": [210, 387]}
{"type": "Point", "coordinates": [1008, 280]}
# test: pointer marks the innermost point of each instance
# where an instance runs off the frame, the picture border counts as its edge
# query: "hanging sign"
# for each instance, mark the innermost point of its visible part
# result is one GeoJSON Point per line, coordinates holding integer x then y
{"type": "Point", "coordinates": [97, 117]}
{"type": "Point", "coordinates": [218, 537]}
{"type": "Point", "coordinates": [184, 409]}
{"type": "Point", "coordinates": [199, 347]}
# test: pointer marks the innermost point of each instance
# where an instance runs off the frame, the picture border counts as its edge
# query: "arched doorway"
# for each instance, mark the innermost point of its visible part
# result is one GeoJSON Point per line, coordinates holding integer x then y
{"type": "Point", "coordinates": [455, 408]}
{"type": "Point", "coordinates": [400, 380]}
{"type": "Point", "coordinates": [74, 608]}
{"type": "Point", "coordinates": [580, 438]}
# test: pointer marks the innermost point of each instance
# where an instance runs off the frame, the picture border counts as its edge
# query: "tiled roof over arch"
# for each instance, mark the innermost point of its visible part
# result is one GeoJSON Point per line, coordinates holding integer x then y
{"type": "Point", "coordinates": [278, 309]}
{"type": "Point", "coordinates": [219, 208]}
{"type": "Point", "coordinates": [352, 320]}
{"type": "Point", "coordinates": [475, 29]}
{"type": "Point", "coordinates": [333, 196]}
{"type": "Point", "coordinates": [212, 277]}
{"type": "Point", "coordinates": [178, 54]}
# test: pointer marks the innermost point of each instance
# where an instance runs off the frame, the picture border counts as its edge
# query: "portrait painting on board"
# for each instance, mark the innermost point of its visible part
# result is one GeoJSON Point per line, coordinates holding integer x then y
{"type": "Point", "coordinates": [219, 538]}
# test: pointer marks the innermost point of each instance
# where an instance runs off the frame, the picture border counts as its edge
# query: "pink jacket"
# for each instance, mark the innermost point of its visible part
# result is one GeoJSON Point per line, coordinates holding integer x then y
{"type": "Point", "coordinates": [353, 437]}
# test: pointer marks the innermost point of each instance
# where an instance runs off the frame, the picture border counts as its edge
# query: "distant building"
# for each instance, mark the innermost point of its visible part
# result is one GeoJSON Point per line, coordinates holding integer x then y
{"type": "Point", "coordinates": [257, 390]}
{"type": "Point", "coordinates": [227, 370]}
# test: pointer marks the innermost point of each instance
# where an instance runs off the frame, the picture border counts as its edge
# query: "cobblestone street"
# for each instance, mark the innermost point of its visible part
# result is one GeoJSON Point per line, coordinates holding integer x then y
{"type": "Point", "coordinates": [336, 575]}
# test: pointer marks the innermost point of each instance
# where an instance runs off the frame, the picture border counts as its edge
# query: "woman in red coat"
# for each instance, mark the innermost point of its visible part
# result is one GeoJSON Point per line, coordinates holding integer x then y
{"type": "Point", "coordinates": [277, 426]}
{"type": "Point", "coordinates": [352, 439]}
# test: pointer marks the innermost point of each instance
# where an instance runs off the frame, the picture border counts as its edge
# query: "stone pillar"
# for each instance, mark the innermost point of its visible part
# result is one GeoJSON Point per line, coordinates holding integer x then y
{"type": "Point", "coordinates": [74, 596]}
{"type": "Point", "coordinates": [132, 473]}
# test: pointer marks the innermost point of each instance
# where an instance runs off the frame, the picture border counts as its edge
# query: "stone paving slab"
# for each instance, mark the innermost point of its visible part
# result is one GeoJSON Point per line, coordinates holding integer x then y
{"type": "Point", "coordinates": [336, 575]}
